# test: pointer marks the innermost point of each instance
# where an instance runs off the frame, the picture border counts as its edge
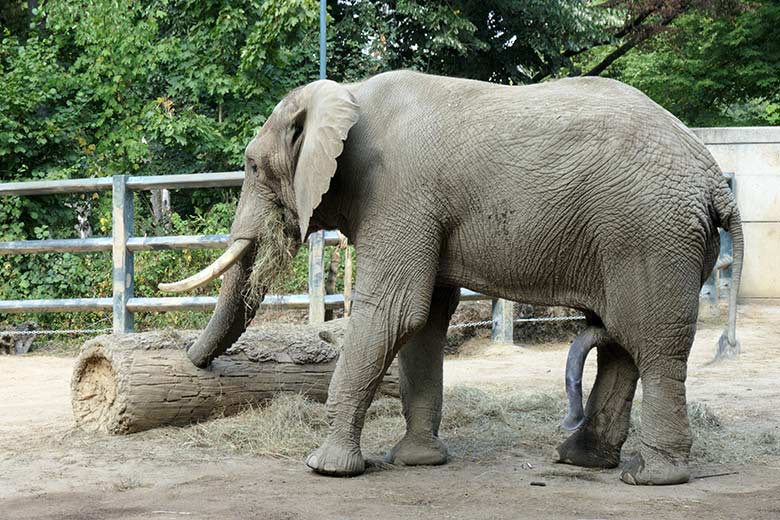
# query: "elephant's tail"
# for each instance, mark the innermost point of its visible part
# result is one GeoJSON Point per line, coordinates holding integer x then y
{"type": "Point", "coordinates": [725, 205]}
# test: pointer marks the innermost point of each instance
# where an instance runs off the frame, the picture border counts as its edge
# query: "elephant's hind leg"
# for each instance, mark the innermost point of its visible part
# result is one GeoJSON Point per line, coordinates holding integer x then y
{"type": "Point", "coordinates": [666, 436]}
{"type": "Point", "coordinates": [598, 442]}
{"type": "Point", "coordinates": [657, 324]}
{"type": "Point", "coordinates": [421, 361]}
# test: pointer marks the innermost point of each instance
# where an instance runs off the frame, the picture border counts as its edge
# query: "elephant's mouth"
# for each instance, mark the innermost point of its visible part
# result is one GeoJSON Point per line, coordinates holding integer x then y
{"type": "Point", "coordinates": [274, 253]}
{"type": "Point", "coordinates": [273, 260]}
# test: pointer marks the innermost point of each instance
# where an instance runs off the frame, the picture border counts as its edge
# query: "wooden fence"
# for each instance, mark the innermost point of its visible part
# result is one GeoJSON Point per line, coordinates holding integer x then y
{"type": "Point", "coordinates": [123, 244]}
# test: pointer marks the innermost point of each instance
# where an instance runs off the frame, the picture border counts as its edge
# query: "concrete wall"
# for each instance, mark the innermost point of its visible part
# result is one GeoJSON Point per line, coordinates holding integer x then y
{"type": "Point", "coordinates": [753, 154]}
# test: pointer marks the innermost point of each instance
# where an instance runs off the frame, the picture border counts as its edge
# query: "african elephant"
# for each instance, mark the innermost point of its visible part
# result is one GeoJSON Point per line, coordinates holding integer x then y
{"type": "Point", "coordinates": [579, 192]}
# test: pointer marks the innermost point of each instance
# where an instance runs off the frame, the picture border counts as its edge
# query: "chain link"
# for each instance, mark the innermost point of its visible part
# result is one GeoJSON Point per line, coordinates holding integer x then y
{"type": "Point", "coordinates": [550, 318]}
{"type": "Point", "coordinates": [489, 323]}
{"type": "Point", "coordinates": [42, 332]}
{"type": "Point", "coordinates": [473, 324]}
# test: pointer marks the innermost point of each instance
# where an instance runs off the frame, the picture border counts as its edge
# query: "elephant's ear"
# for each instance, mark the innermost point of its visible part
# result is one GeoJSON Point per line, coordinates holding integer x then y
{"type": "Point", "coordinates": [330, 112]}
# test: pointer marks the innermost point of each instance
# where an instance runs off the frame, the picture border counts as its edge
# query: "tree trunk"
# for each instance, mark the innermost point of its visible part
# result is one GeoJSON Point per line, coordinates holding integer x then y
{"type": "Point", "coordinates": [161, 208]}
{"type": "Point", "coordinates": [32, 7]}
{"type": "Point", "coordinates": [134, 382]}
{"type": "Point", "coordinates": [333, 274]}
{"type": "Point", "coordinates": [347, 282]}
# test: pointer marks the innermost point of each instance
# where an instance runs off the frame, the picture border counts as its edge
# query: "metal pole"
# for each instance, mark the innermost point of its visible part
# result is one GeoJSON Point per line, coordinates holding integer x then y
{"type": "Point", "coordinates": [726, 250]}
{"type": "Point", "coordinates": [503, 321]}
{"type": "Point", "coordinates": [718, 284]}
{"type": "Point", "coordinates": [323, 21]}
{"type": "Point", "coordinates": [317, 240]}
{"type": "Point", "coordinates": [122, 229]}
{"type": "Point", "coordinates": [316, 278]}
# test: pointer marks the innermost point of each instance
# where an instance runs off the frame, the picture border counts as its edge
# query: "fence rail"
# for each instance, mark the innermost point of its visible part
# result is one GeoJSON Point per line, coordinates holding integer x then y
{"type": "Point", "coordinates": [90, 245]}
{"type": "Point", "coordinates": [123, 244]}
{"type": "Point", "coordinates": [156, 182]}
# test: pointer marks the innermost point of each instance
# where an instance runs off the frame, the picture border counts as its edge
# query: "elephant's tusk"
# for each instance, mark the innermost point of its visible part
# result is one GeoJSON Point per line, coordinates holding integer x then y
{"type": "Point", "coordinates": [234, 253]}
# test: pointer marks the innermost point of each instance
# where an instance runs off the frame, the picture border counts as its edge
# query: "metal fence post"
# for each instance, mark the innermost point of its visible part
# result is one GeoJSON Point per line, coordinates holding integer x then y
{"type": "Point", "coordinates": [122, 229]}
{"type": "Point", "coordinates": [714, 288]}
{"type": "Point", "coordinates": [317, 240]}
{"type": "Point", "coordinates": [726, 250]}
{"type": "Point", "coordinates": [317, 277]}
{"type": "Point", "coordinates": [323, 36]}
{"type": "Point", "coordinates": [503, 321]}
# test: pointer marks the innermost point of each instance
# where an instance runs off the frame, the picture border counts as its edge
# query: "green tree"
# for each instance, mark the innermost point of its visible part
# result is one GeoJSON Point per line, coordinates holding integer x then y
{"type": "Point", "coordinates": [505, 41]}
{"type": "Point", "coordinates": [94, 88]}
{"type": "Point", "coordinates": [112, 86]}
{"type": "Point", "coordinates": [714, 72]}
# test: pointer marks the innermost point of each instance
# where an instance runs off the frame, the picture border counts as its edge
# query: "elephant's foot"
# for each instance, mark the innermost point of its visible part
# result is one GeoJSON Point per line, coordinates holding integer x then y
{"type": "Point", "coordinates": [412, 451]}
{"type": "Point", "coordinates": [585, 448]}
{"type": "Point", "coordinates": [650, 468]}
{"type": "Point", "coordinates": [337, 460]}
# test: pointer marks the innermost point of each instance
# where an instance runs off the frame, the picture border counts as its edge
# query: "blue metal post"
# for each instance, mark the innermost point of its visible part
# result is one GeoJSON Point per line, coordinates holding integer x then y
{"type": "Point", "coordinates": [726, 249]}
{"type": "Point", "coordinates": [323, 21]}
{"type": "Point", "coordinates": [122, 229]}
{"type": "Point", "coordinates": [503, 321]}
{"type": "Point", "coordinates": [317, 240]}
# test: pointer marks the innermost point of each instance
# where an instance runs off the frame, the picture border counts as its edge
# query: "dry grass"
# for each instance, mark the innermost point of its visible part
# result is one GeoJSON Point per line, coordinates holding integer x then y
{"type": "Point", "coordinates": [273, 260]}
{"type": "Point", "coordinates": [478, 424]}
{"type": "Point", "coordinates": [126, 484]}
{"type": "Point", "coordinates": [717, 442]}
{"type": "Point", "coordinates": [288, 427]}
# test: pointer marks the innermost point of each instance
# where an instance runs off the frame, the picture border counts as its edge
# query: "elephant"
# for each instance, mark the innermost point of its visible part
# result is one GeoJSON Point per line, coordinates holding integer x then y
{"type": "Point", "coordinates": [578, 192]}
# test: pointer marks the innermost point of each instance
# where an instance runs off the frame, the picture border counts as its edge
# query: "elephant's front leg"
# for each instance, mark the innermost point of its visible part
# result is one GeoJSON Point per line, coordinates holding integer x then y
{"type": "Point", "coordinates": [421, 362]}
{"type": "Point", "coordinates": [390, 306]}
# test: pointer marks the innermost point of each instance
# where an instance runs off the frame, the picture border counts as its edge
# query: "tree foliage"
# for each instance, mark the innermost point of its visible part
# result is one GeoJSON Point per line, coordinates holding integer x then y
{"type": "Point", "coordinates": [119, 87]}
{"type": "Point", "coordinates": [92, 88]}
{"type": "Point", "coordinates": [505, 41]}
{"type": "Point", "coordinates": [714, 72]}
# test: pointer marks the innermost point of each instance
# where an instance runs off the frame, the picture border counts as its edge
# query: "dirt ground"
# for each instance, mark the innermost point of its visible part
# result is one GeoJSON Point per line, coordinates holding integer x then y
{"type": "Point", "coordinates": [49, 470]}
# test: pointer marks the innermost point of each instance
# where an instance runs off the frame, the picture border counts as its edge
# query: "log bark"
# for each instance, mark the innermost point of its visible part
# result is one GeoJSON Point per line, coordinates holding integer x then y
{"type": "Point", "coordinates": [133, 382]}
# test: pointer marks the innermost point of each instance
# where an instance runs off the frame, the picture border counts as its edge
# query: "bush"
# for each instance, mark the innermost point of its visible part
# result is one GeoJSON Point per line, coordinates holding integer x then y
{"type": "Point", "coordinates": [66, 275]}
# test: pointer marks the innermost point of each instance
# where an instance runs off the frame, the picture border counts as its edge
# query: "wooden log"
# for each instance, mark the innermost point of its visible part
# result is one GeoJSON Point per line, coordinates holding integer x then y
{"type": "Point", "coordinates": [133, 382]}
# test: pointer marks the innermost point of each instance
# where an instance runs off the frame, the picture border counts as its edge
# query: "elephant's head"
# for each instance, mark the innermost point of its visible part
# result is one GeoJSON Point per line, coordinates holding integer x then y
{"type": "Point", "coordinates": [289, 165]}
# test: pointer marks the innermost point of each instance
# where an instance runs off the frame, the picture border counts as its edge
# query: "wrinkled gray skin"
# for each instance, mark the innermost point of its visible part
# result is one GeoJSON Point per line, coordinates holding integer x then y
{"type": "Point", "coordinates": [579, 192]}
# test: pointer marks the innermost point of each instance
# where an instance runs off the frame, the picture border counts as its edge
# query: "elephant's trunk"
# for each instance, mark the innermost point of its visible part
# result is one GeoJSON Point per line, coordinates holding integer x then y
{"type": "Point", "coordinates": [233, 313]}
{"type": "Point", "coordinates": [261, 254]}
{"type": "Point", "coordinates": [231, 316]}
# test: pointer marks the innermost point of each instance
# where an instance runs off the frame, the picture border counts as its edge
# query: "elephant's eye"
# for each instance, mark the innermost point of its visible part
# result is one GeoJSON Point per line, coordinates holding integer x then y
{"type": "Point", "coordinates": [297, 131]}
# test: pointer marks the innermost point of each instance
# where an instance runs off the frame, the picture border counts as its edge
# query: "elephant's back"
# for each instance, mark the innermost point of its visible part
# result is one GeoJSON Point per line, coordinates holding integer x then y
{"type": "Point", "coordinates": [568, 146]}
{"type": "Point", "coordinates": [549, 122]}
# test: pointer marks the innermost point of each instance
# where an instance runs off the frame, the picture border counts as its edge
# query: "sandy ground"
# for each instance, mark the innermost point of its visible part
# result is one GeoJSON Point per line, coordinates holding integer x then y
{"type": "Point", "coordinates": [48, 470]}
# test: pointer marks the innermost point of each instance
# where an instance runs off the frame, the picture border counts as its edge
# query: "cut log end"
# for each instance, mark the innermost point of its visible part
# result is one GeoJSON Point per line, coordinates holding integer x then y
{"type": "Point", "coordinates": [96, 406]}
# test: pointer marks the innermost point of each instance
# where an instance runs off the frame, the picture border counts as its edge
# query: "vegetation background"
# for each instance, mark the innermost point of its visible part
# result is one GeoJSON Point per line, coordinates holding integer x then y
{"type": "Point", "coordinates": [92, 88]}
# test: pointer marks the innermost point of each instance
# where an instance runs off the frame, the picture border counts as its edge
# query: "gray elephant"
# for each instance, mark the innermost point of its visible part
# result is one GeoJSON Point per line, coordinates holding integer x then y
{"type": "Point", "coordinates": [579, 192]}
